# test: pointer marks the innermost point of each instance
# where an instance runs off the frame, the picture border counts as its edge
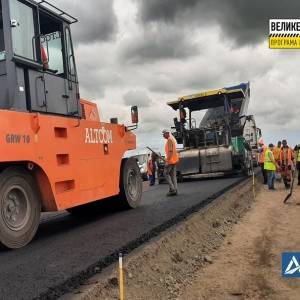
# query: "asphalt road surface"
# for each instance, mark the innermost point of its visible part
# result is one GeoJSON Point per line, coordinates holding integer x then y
{"type": "Point", "coordinates": [67, 248]}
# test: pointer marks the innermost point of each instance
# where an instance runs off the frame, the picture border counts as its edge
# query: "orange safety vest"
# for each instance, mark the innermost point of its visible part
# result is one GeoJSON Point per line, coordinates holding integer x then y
{"type": "Point", "coordinates": [261, 156]}
{"type": "Point", "coordinates": [175, 157]}
{"type": "Point", "coordinates": [286, 156]}
{"type": "Point", "coordinates": [276, 153]}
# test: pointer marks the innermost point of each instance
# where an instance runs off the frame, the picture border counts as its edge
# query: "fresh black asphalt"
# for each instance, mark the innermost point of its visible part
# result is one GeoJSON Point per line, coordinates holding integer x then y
{"type": "Point", "coordinates": [67, 249]}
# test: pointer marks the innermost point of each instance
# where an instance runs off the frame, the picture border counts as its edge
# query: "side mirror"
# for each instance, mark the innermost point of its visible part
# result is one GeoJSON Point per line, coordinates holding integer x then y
{"type": "Point", "coordinates": [134, 115]}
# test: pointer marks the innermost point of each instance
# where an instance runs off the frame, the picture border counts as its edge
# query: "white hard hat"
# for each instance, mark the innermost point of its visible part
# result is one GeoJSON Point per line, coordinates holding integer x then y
{"type": "Point", "coordinates": [166, 131]}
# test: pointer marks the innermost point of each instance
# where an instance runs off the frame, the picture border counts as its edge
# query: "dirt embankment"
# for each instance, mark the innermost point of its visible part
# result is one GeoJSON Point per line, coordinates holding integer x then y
{"type": "Point", "coordinates": [164, 267]}
{"type": "Point", "coordinates": [248, 264]}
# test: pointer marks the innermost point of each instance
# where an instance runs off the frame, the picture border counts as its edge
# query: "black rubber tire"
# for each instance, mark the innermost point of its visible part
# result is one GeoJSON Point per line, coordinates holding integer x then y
{"type": "Point", "coordinates": [17, 181]}
{"type": "Point", "coordinates": [130, 197]}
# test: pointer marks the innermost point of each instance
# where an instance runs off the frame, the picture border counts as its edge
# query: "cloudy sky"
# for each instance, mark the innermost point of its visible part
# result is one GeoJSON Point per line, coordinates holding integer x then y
{"type": "Point", "coordinates": [147, 52]}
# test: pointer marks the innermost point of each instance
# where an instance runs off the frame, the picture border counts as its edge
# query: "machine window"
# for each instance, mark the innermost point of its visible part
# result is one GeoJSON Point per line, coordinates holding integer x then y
{"type": "Point", "coordinates": [236, 105]}
{"type": "Point", "coordinates": [51, 44]}
{"type": "Point", "coordinates": [23, 32]}
{"type": "Point", "coordinates": [71, 61]}
{"type": "Point", "coordinates": [2, 46]}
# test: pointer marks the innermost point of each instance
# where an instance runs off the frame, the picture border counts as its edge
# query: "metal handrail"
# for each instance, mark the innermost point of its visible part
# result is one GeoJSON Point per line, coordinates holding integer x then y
{"type": "Point", "coordinates": [47, 5]}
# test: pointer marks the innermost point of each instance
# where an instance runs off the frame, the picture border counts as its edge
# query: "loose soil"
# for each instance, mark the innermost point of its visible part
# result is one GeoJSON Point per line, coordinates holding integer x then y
{"type": "Point", "coordinates": [248, 264]}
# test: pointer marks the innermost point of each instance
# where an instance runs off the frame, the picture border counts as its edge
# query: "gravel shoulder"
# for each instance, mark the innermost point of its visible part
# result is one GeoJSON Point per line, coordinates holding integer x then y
{"type": "Point", "coordinates": [248, 264]}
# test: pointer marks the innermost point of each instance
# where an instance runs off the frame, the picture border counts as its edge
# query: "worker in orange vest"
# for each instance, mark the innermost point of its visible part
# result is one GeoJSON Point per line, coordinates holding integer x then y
{"type": "Point", "coordinates": [276, 152]}
{"type": "Point", "coordinates": [151, 168]}
{"type": "Point", "coordinates": [286, 163]}
{"type": "Point", "coordinates": [297, 158]}
{"type": "Point", "coordinates": [261, 158]}
{"type": "Point", "coordinates": [172, 159]}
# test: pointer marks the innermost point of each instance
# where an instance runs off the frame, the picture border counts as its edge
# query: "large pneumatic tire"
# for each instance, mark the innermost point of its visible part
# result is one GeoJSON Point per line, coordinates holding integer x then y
{"type": "Point", "coordinates": [130, 184]}
{"type": "Point", "coordinates": [20, 208]}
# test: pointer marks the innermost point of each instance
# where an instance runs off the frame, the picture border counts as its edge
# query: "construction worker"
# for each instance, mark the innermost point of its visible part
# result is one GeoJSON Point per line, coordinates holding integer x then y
{"type": "Point", "coordinates": [276, 152]}
{"type": "Point", "coordinates": [261, 158]}
{"type": "Point", "coordinates": [297, 153]}
{"type": "Point", "coordinates": [171, 160]}
{"type": "Point", "coordinates": [286, 163]}
{"type": "Point", "coordinates": [154, 158]}
{"type": "Point", "coordinates": [151, 168]}
{"type": "Point", "coordinates": [270, 166]}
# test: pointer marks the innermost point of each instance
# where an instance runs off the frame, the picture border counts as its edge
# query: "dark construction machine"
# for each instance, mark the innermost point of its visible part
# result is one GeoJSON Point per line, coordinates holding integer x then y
{"type": "Point", "coordinates": [211, 129]}
{"type": "Point", "coordinates": [56, 153]}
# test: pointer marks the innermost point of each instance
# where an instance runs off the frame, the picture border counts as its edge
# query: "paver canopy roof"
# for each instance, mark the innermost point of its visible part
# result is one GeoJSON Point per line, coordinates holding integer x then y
{"type": "Point", "coordinates": [208, 99]}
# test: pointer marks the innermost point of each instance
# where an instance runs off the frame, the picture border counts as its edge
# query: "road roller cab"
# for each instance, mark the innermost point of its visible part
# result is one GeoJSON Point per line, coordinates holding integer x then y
{"type": "Point", "coordinates": [37, 62]}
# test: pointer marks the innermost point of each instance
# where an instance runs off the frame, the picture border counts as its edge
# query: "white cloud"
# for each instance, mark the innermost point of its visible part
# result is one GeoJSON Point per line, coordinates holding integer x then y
{"type": "Point", "coordinates": [137, 97]}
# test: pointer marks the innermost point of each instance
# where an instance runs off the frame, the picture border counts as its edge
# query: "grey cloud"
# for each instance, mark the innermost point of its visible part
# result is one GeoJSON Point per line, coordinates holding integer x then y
{"type": "Point", "coordinates": [163, 84]}
{"type": "Point", "coordinates": [95, 82]}
{"type": "Point", "coordinates": [166, 10]}
{"type": "Point", "coordinates": [245, 22]}
{"type": "Point", "coordinates": [152, 123]}
{"type": "Point", "coordinates": [139, 98]}
{"type": "Point", "coordinates": [97, 19]}
{"type": "Point", "coordinates": [157, 43]}
{"type": "Point", "coordinates": [97, 73]}
{"type": "Point", "coordinates": [213, 71]}
{"type": "Point", "coordinates": [279, 116]}
{"type": "Point", "coordinates": [197, 77]}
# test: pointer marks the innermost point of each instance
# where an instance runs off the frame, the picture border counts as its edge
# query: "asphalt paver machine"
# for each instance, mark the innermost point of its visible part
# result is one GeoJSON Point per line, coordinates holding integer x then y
{"type": "Point", "coordinates": [55, 151]}
{"type": "Point", "coordinates": [211, 129]}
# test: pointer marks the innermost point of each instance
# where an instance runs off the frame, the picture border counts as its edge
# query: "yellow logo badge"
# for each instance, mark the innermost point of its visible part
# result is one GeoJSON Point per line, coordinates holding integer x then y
{"type": "Point", "coordinates": [284, 34]}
